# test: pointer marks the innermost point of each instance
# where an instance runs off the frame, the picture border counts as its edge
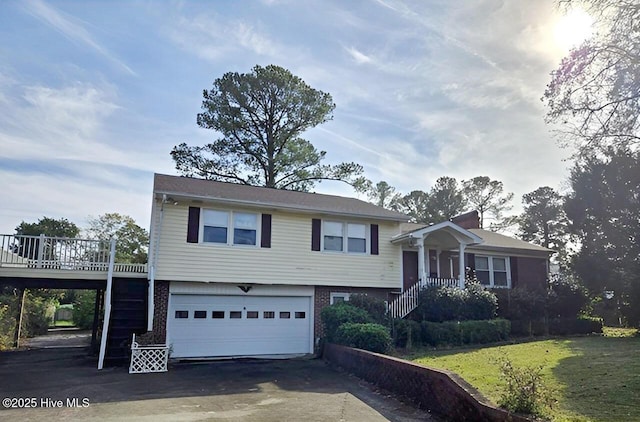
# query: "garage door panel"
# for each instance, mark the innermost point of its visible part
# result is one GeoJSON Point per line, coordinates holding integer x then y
{"type": "Point", "coordinates": [266, 325]}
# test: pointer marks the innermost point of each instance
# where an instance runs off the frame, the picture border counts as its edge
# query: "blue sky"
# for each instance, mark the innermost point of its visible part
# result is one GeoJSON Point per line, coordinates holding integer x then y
{"type": "Point", "coordinates": [94, 94]}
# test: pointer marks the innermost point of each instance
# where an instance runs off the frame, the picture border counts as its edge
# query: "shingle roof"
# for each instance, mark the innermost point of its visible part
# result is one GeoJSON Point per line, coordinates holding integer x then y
{"type": "Point", "coordinates": [497, 240]}
{"type": "Point", "coordinates": [201, 189]}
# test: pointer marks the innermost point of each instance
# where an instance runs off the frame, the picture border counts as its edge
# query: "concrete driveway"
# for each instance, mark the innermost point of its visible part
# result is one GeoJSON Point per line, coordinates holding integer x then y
{"type": "Point", "coordinates": [256, 390]}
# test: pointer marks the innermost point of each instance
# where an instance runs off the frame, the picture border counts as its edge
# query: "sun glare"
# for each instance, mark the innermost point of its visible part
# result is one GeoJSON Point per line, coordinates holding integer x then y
{"type": "Point", "coordinates": [573, 28]}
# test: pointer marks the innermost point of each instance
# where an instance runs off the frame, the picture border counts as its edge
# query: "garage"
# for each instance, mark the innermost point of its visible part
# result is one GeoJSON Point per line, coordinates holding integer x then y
{"type": "Point", "coordinates": [207, 325]}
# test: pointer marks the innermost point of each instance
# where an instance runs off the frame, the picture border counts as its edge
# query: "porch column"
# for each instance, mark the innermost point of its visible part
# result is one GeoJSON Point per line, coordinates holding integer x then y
{"type": "Point", "coordinates": [461, 271]}
{"type": "Point", "coordinates": [438, 251]}
{"type": "Point", "coordinates": [421, 277]}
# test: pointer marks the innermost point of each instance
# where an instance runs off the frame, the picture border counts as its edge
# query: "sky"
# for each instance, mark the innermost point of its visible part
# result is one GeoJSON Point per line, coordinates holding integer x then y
{"type": "Point", "coordinates": [95, 94]}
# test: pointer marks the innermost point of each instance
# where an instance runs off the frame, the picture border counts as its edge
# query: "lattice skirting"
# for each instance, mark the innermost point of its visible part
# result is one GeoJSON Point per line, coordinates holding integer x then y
{"type": "Point", "coordinates": [148, 358]}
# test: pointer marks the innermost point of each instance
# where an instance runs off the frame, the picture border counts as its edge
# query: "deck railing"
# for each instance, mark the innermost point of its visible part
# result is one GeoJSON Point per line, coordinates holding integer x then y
{"type": "Point", "coordinates": [408, 300]}
{"type": "Point", "coordinates": [59, 253]}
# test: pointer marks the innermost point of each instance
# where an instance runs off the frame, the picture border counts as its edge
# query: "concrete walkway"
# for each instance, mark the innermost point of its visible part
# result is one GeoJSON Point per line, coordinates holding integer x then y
{"type": "Point", "coordinates": [59, 337]}
{"type": "Point", "coordinates": [255, 390]}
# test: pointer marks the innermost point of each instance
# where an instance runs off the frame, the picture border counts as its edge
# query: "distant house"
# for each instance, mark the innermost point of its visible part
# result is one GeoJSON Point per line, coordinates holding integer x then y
{"type": "Point", "coordinates": [245, 271]}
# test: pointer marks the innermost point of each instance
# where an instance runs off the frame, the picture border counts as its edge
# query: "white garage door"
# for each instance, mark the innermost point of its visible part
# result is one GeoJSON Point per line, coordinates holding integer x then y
{"type": "Point", "coordinates": [209, 325]}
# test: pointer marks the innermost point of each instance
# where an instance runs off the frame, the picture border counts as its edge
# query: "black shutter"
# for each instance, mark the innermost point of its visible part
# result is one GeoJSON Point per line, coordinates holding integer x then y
{"type": "Point", "coordinates": [265, 237]}
{"type": "Point", "coordinates": [513, 261]}
{"type": "Point", "coordinates": [193, 225]}
{"type": "Point", "coordinates": [315, 234]}
{"type": "Point", "coordinates": [375, 250]}
{"type": "Point", "coordinates": [471, 261]}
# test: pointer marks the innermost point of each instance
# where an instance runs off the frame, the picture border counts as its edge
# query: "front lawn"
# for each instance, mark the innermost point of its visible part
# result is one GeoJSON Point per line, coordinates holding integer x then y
{"type": "Point", "coordinates": [594, 378]}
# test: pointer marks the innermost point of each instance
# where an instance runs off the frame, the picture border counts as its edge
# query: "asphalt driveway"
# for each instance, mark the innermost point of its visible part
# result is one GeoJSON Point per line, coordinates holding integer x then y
{"type": "Point", "coordinates": [63, 384]}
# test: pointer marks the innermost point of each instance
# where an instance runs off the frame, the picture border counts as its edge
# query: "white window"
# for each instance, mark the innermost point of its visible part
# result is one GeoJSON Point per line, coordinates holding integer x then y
{"type": "Point", "coordinates": [493, 271]}
{"type": "Point", "coordinates": [356, 238]}
{"type": "Point", "coordinates": [337, 297]}
{"type": "Point", "coordinates": [341, 237]}
{"type": "Point", "coordinates": [230, 228]}
{"type": "Point", "coordinates": [333, 236]}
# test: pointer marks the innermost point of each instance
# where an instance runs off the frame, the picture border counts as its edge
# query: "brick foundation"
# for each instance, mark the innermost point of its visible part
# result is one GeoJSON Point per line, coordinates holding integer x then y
{"type": "Point", "coordinates": [440, 392]}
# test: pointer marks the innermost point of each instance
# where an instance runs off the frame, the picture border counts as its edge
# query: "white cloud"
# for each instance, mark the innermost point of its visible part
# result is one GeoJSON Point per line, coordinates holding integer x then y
{"type": "Point", "coordinates": [358, 56]}
{"type": "Point", "coordinates": [75, 31]}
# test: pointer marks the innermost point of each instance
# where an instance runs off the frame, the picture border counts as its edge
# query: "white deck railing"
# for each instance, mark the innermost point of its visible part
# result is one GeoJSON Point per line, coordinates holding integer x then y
{"type": "Point", "coordinates": [59, 253]}
{"type": "Point", "coordinates": [408, 300]}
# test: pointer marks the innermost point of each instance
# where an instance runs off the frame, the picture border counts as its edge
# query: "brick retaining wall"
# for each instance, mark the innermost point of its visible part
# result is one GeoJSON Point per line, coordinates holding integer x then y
{"type": "Point", "coordinates": [441, 392]}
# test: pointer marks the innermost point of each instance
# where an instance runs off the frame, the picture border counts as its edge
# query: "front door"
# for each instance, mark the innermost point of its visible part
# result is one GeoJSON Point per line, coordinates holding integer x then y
{"type": "Point", "coordinates": [409, 269]}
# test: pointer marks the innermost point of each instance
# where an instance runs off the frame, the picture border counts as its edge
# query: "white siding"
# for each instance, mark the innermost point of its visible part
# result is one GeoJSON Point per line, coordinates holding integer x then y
{"type": "Point", "coordinates": [290, 259]}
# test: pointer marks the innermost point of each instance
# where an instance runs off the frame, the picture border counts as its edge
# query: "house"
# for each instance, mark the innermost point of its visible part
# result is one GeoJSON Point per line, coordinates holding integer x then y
{"type": "Point", "coordinates": [242, 270]}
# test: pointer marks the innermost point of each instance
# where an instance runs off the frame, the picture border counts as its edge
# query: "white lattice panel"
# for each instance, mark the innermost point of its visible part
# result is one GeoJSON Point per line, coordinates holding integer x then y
{"type": "Point", "coordinates": [149, 358]}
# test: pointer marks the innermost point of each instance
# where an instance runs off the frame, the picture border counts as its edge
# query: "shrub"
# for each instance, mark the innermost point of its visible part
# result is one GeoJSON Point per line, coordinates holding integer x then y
{"type": "Point", "coordinates": [374, 306]}
{"type": "Point", "coordinates": [7, 324]}
{"type": "Point", "coordinates": [406, 333]}
{"type": "Point", "coordinates": [368, 336]}
{"type": "Point", "coordinates": [525, 391]}
{"type": "Point", "coordinates": [521, 303]}
{"type": "Point", "coordinates": [438, 304]}
{"type": "Point", "coordinates": [37, 315]}
{"type": "Point", "coordinates": [566, 297]}
{"type": "Point", "coordinates": [582, 325]}
{"type": "Point", "coordinates": [340, 313]}
{"type": "Point", "coordinates": [478, 303]}
{"type": "Point", "coordinates": [455, 333]}
{"type": "Point", "coordinates": [83, 308]}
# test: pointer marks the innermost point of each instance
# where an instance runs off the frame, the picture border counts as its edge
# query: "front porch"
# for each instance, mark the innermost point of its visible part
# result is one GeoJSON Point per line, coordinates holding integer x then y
{"type": "Point", "coordinates": [431, 256]}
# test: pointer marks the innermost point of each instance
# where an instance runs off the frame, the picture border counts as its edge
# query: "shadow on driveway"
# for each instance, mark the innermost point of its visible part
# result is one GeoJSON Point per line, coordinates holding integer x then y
{"type": "Point", "coordinates": [256, 390]}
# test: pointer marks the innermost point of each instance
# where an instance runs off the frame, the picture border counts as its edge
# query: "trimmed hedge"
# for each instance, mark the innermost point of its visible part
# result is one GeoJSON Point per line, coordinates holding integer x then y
{"type": "Point", "coordinates": [455, 333]}
{"type": "Point", "coordinates": [369, 336]}
{"type": "Point", "coordinates": [556, 326]}
{"type": "Point", "coordinates": [439, 304]}
{"type": "Point", "coordinates": [406, 333]}
{"type": "Point", "coordinates": [340, 313]}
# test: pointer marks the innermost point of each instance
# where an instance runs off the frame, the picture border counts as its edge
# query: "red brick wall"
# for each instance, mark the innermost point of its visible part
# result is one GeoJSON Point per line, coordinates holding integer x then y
{"type": "Point", "coordinates": [440, 392]}
{"type": "Point", "coordinates": [532, 273]}
{"type": "Point", "coordinates": [161, 303]}
{"type": "Point", "coordinates": [323, 297]}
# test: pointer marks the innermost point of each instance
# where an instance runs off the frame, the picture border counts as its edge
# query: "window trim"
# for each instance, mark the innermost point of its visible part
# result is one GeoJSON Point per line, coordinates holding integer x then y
{"type": "Point", "coordinates": [334, 295]}
{"type": "Point", "coordinates": [231, 228]}
{"type": "Point", "coordinates": [491, 271]}
{"type": "Point", "coordinates": [345, 237]}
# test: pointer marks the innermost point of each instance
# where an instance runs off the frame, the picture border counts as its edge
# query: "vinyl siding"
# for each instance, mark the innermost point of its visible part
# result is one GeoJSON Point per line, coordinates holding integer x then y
{"type": "Point", "coordinates": [290, 259]}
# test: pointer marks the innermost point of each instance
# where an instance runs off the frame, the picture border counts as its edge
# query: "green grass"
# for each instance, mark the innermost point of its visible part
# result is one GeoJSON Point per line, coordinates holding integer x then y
{"type": "Point", "coordinates": [593, 378]}
{"type": "Point", "coordinates": [63, 324]}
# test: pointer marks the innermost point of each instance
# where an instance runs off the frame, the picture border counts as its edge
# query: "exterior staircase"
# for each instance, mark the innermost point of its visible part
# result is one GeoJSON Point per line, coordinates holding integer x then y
{"type": "Point", "coordinates": [128, 316]}
{"type": "Point", "coordinates": [409, 299]}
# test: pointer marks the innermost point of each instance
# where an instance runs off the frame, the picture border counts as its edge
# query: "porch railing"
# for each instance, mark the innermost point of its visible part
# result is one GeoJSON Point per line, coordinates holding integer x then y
{"type": "Point", "coordinates": [59, 253]}
{"type": "Point", "coordinates": [408, 300]}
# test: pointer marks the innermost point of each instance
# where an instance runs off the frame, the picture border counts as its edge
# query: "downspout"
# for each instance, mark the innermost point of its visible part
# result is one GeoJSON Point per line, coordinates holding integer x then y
{"type": "Point", "coordinates": [152, 270]}
{"type": "Point", "coordinates": [107, 304]}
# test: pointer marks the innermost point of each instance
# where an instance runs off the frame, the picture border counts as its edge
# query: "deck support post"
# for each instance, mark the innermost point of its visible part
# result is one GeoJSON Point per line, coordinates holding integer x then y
{"type": "Point", "coordinates": [107, 305]}
{"type": "Point", "coordinates": [18, 330]}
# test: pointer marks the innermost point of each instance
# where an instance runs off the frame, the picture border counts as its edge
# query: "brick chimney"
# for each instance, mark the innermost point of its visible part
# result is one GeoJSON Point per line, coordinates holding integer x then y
{"type": "Point", "coordinates": [468, 220]}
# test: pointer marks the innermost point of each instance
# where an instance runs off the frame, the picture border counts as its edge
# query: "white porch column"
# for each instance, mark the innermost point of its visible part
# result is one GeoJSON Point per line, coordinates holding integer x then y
{"type": "Point", "coordinates": [461, 265]}
{"type": "Point", "coordinates": [427, 268]}
{"type": "Point", "coordinates": [438, 251]}
{"type": "Point", "coordinates": [421, 277]}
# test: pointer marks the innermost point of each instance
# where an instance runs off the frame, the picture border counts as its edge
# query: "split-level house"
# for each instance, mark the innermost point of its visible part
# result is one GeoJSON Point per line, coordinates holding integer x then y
{"type": "Point", "coordinates": [245, 271]}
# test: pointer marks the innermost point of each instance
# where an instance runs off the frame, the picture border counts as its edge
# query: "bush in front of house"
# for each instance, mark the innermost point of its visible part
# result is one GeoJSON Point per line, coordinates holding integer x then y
{"type": "Point", "coordinates": [341, 313]}
{"type": "Point", "coordinates": [581, 325]}
{"type": "Point", "coordinates": [366, 336]}
{"type": "Point", "coordinates": [374, 306]}
{"type": "Point", "coordinates": [454, 333]}
{"type": "Point", "coordinates": [439, 304]}
{"type": "Point", "coordinates": [406, 333]}
{"type": "Point", "coordinates": [566, 298]}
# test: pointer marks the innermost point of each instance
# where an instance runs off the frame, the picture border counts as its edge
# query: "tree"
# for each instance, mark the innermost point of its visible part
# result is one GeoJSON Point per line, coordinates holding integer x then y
{"type": "Point", "coordinates": [415, 205]}
{"type": "Point", "coordinates": [383, 195]}
{"type": "Point", "coordinates": [487, 197]}
{"type": "Point", "coordinates": [544, 221]}
{"type": "Point", "coordinates": [445, 200]}
{"type": "Point", "coordinates": [49, 227]}
{"type": "Point", "coordinates": [595, 92]}
{"type": "Point", "coordinates": [133, 241]}
{"type": "Point", "coordinates": [604, 211]}
{"type": "Point", "coordinates": [261, 116]}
